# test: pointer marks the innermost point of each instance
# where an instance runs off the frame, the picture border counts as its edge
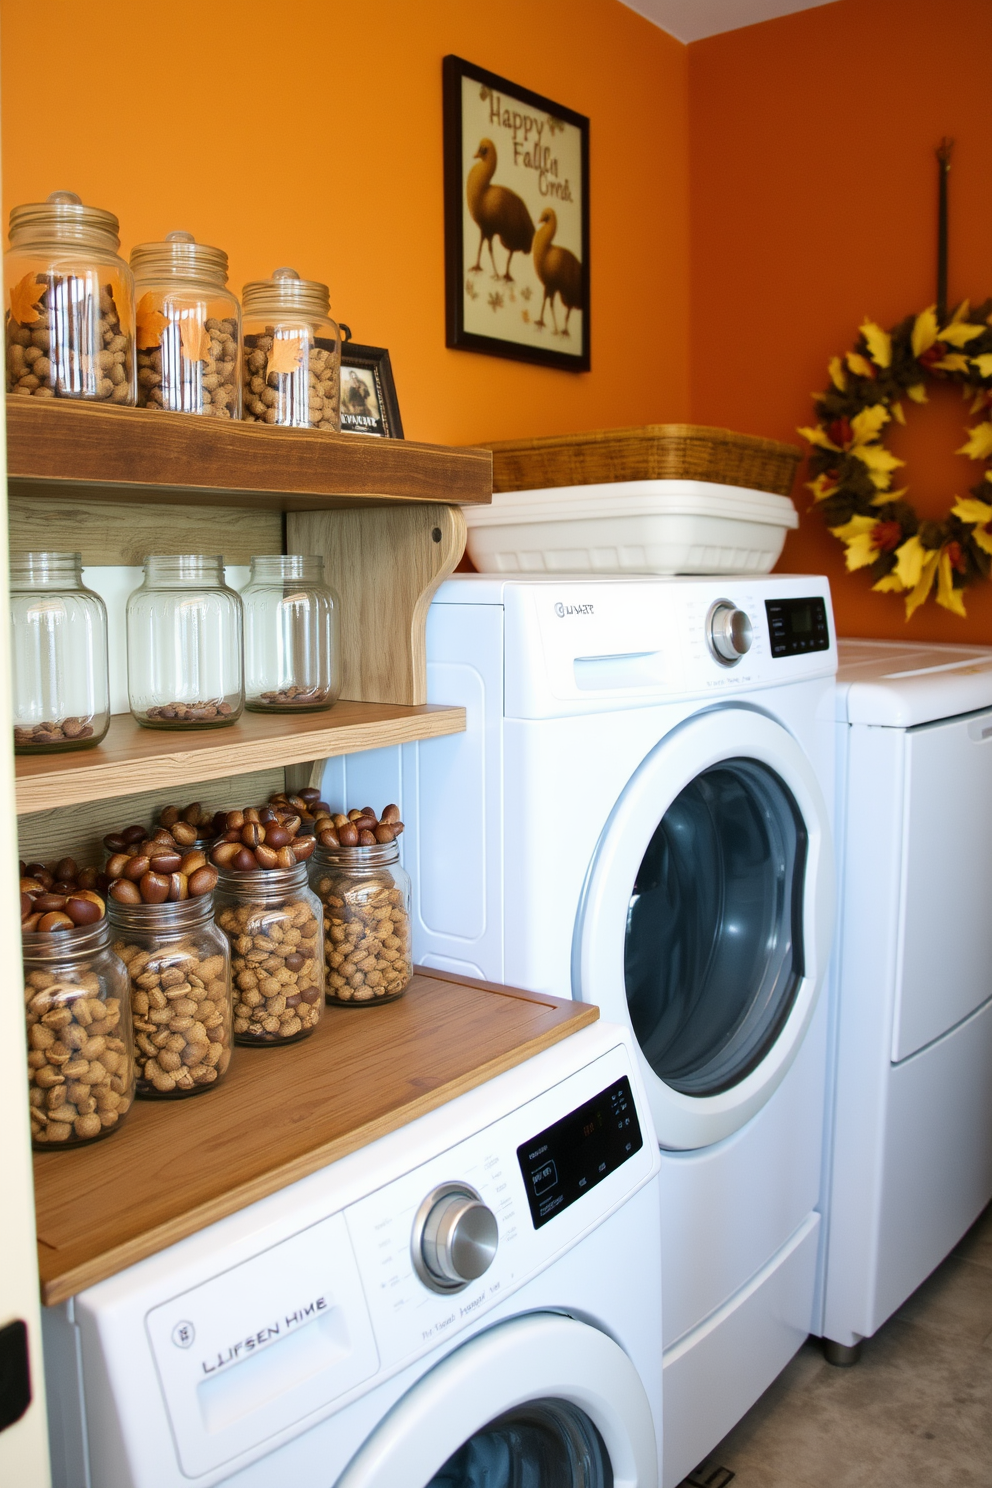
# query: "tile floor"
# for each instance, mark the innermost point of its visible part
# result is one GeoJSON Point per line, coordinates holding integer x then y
{"type": "Point", "coordinates": [916, 1412]}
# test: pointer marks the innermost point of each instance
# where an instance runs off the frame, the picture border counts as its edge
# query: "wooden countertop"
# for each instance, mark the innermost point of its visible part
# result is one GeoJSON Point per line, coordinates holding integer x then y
{"type": "Point", "coordinates": [178, 1166]}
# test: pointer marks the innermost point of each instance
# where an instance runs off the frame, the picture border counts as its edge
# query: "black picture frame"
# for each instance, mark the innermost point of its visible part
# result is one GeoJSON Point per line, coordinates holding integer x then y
{"type": "Point", "coordinates": [378, 381]}
{"type": "Point", "coordinates": [458, 336]}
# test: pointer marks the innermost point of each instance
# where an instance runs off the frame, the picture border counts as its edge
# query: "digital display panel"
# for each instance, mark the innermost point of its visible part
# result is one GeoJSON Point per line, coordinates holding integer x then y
{"type": "Point", "coordinates": [796, 626]}
{"type": "Point", "coordinates": [562, 1163]}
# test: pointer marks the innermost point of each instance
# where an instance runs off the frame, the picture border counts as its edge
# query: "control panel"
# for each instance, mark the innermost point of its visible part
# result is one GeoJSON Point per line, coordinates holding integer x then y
{"type": "Point", "coordinates": [569, 1158]}
{"type": "Point", "coordinates": [797, 626]}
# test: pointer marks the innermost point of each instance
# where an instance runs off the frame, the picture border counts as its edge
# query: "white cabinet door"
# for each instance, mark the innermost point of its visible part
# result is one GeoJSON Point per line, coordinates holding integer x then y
{"type": "Point", "coordinates": [946, 941]}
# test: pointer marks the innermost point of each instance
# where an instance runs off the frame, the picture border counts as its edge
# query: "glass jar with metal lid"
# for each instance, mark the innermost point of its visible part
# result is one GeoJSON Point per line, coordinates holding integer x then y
{"type": "Point", "coordinates": [365, 894]}
{"type": "Point", "coordinates": [292, 353]}
{"type": "Point", "coordinates": [70, 303]}
{"type": "Point", "coordinates": [60, 688]}
{"type": "Point", "coordinates": [272, 919]}
{"type": "Point", "coordinates": [188, 328]}
{"type": "Point", "coordinates": [184, 644]}
{"type": "Point", "coordinates": [291, 646]}
{"type": "Point", "coordinates": [80, 1049]}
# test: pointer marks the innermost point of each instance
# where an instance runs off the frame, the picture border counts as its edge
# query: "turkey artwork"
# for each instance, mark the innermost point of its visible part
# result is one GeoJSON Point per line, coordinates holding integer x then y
{"type": "Point", "coordinates": [518, 265]}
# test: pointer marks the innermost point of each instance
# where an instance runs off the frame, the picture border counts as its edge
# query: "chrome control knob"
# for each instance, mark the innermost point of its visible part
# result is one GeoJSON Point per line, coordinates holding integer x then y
{"type": "Point", "coordinates": [455, 1237]}
{"type": "Point", "coordinates": [730, 633]}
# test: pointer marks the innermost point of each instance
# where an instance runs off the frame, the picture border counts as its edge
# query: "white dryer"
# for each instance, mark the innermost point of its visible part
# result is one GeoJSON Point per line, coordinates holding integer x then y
{"type": "Point", "coordinates": [911, 1164]}
{"type": "Point", "coordinates": [638, 815]}
{"type": "Point", "coordinates": [471, 1299]}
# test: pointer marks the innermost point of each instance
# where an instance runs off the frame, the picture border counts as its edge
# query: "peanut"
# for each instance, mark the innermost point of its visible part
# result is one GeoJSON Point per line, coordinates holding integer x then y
{"type": "Point", "coordinates": [74, 1099]}
{"type": "Point", "coordinates": [207, 386]}
{"type": "Point", "coordinates": [60, 356]}
{"type": "Point", "coordinates": [278, 974]}
{"type": "Point", "coordinates": [181, 1013]}
{"type": "Point", "coordinates": [307, 397]}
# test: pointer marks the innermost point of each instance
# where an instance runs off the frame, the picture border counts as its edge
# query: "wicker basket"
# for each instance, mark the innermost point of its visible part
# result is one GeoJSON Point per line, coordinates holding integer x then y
{"type": "Point", "coordinates": [652, 452]}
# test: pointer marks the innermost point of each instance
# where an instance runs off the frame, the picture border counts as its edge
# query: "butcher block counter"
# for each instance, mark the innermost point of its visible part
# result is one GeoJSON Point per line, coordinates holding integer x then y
{"type": "Point", "coordinates": [282, 1113]}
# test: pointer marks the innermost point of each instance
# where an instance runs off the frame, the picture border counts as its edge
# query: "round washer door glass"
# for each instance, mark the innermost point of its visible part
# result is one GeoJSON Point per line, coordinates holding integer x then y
{"type": "Point", "coordinates": [543, 1444]}
{"type": "Point", "coordinates": [713, 950]}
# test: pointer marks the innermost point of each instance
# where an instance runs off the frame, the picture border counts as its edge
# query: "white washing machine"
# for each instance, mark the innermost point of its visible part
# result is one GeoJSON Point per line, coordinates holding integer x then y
{"type": "Point", "coordinates": [911, 1164]}
{"type": "Point", "coordinates": [470, 1300]}
{"type": "Point", "coordinates": [638, 815]}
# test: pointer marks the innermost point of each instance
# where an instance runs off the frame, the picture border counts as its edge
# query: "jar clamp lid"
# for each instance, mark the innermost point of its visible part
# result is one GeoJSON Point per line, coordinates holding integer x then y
{"type": "Point", "coordinates": [64, 216]}
{"type": "Point", "coordinates": [180, 256]}
{"type": "Point", "coordinates": [286, 292]}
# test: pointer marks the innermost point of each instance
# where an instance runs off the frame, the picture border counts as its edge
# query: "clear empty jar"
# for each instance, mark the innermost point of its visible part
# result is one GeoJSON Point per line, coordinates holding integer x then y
{"type": "Point", "coordinates": [291, 644]}
{"type": "Point", "coordinates": [184, 644]}
{"type": "Point", "coordinates": [365, 893]}
{"type": "Point", "coordinates": [179, 971]}
{"type": "Point", "coordinates": [272, 919]}
{"type": "Point", "coordinates": [70, 321]}
{"type": "Point", "coordinates": [292, 353]}
{"type": "Point", "coordinates": [58, 643]}
{"type": "Point", "coordinates": [188, 328]}
{"type": "Point", "coordinates": [80, 1052]}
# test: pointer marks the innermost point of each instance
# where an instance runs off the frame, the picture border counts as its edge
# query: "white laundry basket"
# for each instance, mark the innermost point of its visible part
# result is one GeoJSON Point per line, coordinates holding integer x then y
{"type": "Point", "coordinates": [642, 526]}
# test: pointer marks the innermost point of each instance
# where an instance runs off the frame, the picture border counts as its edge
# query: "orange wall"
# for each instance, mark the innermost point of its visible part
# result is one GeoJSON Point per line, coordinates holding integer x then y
{"type": "Point", "coordinates": [308, 132]}
{"type": "Point", "coordinates": [813, 204]}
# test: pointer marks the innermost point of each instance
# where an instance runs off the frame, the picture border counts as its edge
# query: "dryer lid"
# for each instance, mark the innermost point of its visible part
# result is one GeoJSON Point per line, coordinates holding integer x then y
{"type": "Point", "coordinates": [900, 684]}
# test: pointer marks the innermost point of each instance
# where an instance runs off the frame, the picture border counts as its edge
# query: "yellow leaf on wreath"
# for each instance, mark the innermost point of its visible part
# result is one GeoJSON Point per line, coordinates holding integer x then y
{"type": "Point", "coordinates": [967, 509]}
{"type": "Point", "coordinates": [925, 583]}
{"type": "Point", "coordinates": [822, 487]}
{"type": "Point", "coordinates": [285, 355]}
{"type": "Point", "coordinates": [818, 437]}
{"type": "Point", "coordinates": [859, 365]}
{"type": "Point", "coordinates": [983, 363]}
{"type": "Point", "coordinates": [888, 584]}
{"type": "Point", "coordinates": [910, 557]}
{"type": "Point", "coordinates": [857, 534]}
{"type": "Point", "coordinates": [882, 498]}
{"type": "Point", "coordinates": [194, 339]}
{"type": "Point", "coordinates": [879, 343]}
{"type": "Point", "coordinates": [867, 424]}
{"type": "Point", "coordinates": [918, 392]}
{"type": "Point", "coordinates": [979, 445]}
{"type": "Point", "coordinates": [960, 335]}
{"type": "Point", "coordinates": [954, 362]}
{"type": "Point", "coordinates": [961, 313]}
{"type": "Point", "coordinates": [878, 459]}
{"type": "Point", "coordinates": [897, 413]}
{"type": "Point", "coordinates": [982, 539]}
{"type": "Point", "coordinates": [149, 321]}
{"type": "Point", "coordinates": [947, 595]}
{"type": "Point", "coordinates": [837, 374]}
{"type": "Point", "coordinates": [24, 298]}
{"type": "Point", "coordinates": [924, 330]}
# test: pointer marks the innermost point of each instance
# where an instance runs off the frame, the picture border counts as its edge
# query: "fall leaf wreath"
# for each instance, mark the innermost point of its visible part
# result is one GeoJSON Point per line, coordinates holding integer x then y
{"type": "Point", "coordinates": [852, 471]}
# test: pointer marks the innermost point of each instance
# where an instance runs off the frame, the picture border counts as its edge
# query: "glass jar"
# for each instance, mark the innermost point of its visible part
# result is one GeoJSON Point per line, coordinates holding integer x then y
{"type": "Point", "coordinates": [272, 920]}
{"type": "Point", "coordinates": [80, 1051]}
{"type": "Point", "coordinates": [58, 649]}
{"type": "Point", "coordinates": [291, 647]}
{"type": "Point", "coordinates": [179, 968]}
{"type": "Point", "coordinates": [365, 894]}
{"type": "Point", "coordinates": [188, 328]}
{"type": "Point", "coordinates": [70, 303]}
{"type": "Point", "coordinates": [184, 645]}
{"type": "Point", "coordinates": [292, 353]}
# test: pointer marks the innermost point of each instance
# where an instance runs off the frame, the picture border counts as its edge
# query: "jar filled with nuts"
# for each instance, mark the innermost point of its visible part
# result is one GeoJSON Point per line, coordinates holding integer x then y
{"type": "Point", "coordinates": [292, 660]}
{"type": "Point", "coordinates": [292, 353]}
{"type": "Point", "coordinates": [272, 920]}
{"type": "Point", "coordinates": [188, 328]}
{"type": "Point", "coordinates": [80, 1051]}
{"type": "Point", "coordinates": [70, 303]}
{"type": "Point", "coordinates": [365, 894]}
{"type": "Point", "coordinates": [179, 967]}
{"type": "Point", "coordinates": [58, 650]}
{"type": "Point", "coordinates": [184, 644]}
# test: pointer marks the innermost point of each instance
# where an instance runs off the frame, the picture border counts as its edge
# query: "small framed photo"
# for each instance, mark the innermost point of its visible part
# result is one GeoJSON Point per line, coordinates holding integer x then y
{"type": "Point", "coordinates": [368, 393]}
{"type": "Point", "coordinates": [516, 221]}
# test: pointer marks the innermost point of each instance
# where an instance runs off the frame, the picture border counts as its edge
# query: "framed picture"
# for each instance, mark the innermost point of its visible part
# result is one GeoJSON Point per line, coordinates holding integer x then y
{"type": "Point", "coordinates": [516, 221]}
{"type": "Point", "coordinates": [368, 393]}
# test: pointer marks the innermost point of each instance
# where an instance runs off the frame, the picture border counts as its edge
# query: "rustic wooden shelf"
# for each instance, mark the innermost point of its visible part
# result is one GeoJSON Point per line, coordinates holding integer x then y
{"type": "Point", "coordinates": [133, 759]}
{"type": "Point", "coordinates": [180, 1165]}
{"type": "Point", "coordinates": [56, 447]}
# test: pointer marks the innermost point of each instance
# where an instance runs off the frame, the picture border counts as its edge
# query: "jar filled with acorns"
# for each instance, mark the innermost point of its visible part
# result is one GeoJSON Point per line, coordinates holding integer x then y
{"type": "Point", "coordinates": [70, 303]}
{"type": "Point", "coordinates": [365, 894]}
{"type": "Point", "coordinates": [292, 353]}
{"type": "Point", "coordinates": [80, 1051]}
{"type": "Point", "coordinates": [188, 328]}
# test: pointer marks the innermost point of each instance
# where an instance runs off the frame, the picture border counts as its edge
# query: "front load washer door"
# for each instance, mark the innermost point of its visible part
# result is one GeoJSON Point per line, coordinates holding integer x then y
{"type": "Point", "coordinates": [542, 1399]}
{"type": "Point", "coordinates": [706, 918]}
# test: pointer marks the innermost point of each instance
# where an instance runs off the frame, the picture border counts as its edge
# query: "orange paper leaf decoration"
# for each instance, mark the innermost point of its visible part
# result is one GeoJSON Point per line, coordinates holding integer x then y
{"type": "Point", "coordinates": [195, 339]}
{"type": "Point", "coordinates": [24, 299]}
{"type": "Point", "coordinates": [150, 322]}
{"type": "Point", "coordinates": [285, 355]}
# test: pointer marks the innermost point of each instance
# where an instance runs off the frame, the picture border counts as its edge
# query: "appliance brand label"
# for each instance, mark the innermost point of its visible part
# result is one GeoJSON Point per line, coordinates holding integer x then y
{"type": "Point", "coordinates": [561, 610]}
{"type": "Point", "coordinates": [278, 1328]}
